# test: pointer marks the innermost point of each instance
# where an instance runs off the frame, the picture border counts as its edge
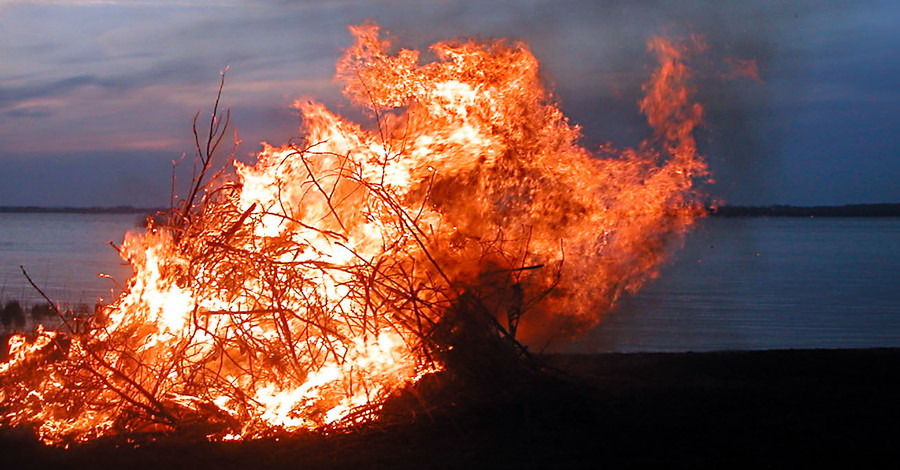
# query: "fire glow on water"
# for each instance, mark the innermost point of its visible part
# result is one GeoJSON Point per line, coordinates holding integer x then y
{"type": "Point", "coordinates": [304, 290]}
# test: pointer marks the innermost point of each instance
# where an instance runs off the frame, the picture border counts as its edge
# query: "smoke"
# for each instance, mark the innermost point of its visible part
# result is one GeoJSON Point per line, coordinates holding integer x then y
{"type": "Point", "coordinates": [740, 138]}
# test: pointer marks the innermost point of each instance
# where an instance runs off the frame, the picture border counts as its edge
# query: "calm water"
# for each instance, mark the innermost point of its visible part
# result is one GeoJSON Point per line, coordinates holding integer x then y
{"type": "Point", "coordinates": [63, 254]}
{"type": "Point", "coordinates": [763, 283]}
{"type": "Point", "coordinates": [743, 283]}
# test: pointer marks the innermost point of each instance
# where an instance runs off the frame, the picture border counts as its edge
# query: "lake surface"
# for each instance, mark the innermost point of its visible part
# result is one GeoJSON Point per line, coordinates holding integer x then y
{"type": "Point", "coordinates": [63, 254]}
{"type": "Point", "coordinates": [738, 283]}
{"type": "Point", "coordinates": [764, 283]}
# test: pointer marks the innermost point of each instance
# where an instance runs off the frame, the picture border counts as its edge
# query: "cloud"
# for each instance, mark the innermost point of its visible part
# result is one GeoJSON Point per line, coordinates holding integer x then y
{"type": "Point", "coordinates": [108, 74]}
{"type": "Point", "coordinates": [133, 3]}
{"type": "Point", "coordinates": [30, 113]}
{"type": "Point", "coordinates": [165, 73]}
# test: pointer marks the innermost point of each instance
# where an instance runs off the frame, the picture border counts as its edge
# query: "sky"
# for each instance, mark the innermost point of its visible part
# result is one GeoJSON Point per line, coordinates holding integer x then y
{"type": "Point", "coordinates": [97, 96]}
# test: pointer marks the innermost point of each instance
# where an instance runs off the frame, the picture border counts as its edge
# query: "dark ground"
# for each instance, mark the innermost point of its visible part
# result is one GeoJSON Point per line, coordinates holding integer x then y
{"type": "Point", "coordinates": [762, 409]}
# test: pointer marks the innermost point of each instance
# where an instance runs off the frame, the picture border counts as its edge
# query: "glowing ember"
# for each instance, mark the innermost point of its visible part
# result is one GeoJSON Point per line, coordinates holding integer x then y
{"type": "Point", "coordinates": [303, 292]}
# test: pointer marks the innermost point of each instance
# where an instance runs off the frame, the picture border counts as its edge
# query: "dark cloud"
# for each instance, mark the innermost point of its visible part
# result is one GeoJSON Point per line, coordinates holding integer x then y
{"type": "Point", "coordinates": [10, 96]}
{"type": "Point", "coordinates": [31, 112]}
{"type": "Point", "coordinates": [170, 72]}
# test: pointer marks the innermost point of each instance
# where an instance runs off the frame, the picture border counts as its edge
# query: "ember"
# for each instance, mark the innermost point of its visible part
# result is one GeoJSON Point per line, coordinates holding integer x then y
{"type": "Point", "coordinates": [303, 291]}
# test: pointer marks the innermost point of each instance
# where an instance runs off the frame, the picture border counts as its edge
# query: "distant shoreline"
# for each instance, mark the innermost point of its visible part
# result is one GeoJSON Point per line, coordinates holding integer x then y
{"type": "Point", "coordinates": [79, 210]}
{"type": "Point", "coordinates": [848, 210]}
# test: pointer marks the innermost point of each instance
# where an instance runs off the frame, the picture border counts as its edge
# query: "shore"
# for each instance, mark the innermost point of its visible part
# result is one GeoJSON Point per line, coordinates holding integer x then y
{"type": "Point", "coordinates": [773, 409]}
{"type": "Point", "coordinates": [780, 210]}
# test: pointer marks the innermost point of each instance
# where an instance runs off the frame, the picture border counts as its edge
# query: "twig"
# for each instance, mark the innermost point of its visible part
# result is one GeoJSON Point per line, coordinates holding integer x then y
{"type": "Point", "coordinates": [158, 411]}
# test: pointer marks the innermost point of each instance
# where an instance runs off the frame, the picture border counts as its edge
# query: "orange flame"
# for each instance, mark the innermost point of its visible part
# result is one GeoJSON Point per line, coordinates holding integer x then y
{"type": "Point", "coordinates": [304, 292]}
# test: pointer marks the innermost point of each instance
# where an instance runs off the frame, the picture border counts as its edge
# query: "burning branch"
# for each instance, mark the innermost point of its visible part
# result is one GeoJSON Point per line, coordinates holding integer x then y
{"type": "Point", "coordinates": [205, 153]}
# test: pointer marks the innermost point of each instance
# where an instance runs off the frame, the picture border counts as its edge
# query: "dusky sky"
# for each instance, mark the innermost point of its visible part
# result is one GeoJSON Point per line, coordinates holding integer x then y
{"type": "Point", "coordinates": [97, 96]}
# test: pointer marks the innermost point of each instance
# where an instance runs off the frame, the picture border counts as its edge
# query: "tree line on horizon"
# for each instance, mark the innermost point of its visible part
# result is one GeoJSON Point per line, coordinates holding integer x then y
{"type": "Point", "coordinates": [778, 210]}
{"type": "Point", "coordinates": [81, 210]}
{"type": "Point", "coordinates": [849, 210]}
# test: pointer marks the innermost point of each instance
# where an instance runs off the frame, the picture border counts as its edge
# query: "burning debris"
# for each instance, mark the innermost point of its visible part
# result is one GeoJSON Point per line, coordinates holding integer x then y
{"type": "Point", "coordinates": [341, 268]}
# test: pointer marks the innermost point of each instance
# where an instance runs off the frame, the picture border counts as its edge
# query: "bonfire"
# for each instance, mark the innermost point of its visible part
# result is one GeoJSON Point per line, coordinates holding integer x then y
{"type": "Point", "coordinates": [302, 291]}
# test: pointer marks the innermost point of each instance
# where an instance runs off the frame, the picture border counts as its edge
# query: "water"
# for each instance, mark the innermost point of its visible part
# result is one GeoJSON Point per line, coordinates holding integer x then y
{"type": "Point", "coordinates": [764, 283]}
{"type": "Point", "coordinates": [63, 254]}
{"type": "Point", "coordinates": [743, 283]}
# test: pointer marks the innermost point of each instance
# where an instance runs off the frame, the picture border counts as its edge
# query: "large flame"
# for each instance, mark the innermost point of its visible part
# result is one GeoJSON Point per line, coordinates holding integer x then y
{"type": "Point", "coordinates": [303, 292]}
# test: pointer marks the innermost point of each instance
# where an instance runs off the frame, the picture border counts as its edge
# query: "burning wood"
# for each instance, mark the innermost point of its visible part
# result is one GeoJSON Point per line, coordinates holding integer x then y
{"type": "Point", "coordinates": [303, 291]}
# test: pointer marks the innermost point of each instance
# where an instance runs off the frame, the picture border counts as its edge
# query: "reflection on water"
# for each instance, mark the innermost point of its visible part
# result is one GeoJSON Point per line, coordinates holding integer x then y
{"type": "Point", "coordinates": [63, 254]}
{"type": "Point", "coordinates": [763, 283]}
{"type": "Point", "coordinates": [743, 283]}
